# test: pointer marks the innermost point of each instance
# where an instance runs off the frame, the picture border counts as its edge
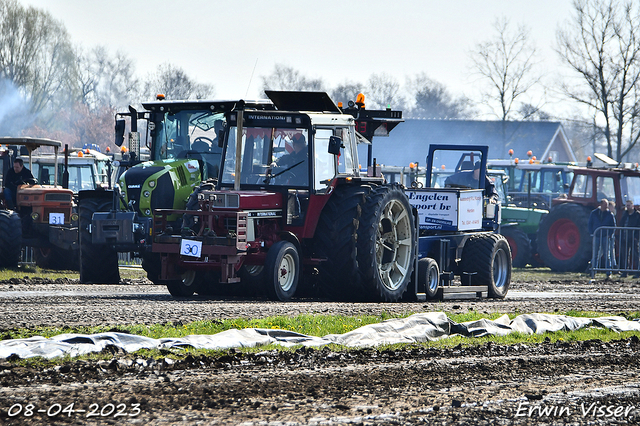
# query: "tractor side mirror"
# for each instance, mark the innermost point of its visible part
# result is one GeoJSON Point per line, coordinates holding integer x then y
{"type": "Point", "coordinates": [335, 143]}
{"type": "Point", "coordinates": [119, 132]}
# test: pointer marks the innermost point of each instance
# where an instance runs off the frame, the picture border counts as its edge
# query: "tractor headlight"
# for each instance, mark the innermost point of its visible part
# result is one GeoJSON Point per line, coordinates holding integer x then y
{"type": "Point", "coordinates": [146, 194]}
{"type": "Point", "coordinates": [152, 184]}
{"type": "Point", "coordinates": [147, 212]}
{"type": "Point", "coordinates": [35, 215]}
{"type": "Point", "coordinates": [74, 217]}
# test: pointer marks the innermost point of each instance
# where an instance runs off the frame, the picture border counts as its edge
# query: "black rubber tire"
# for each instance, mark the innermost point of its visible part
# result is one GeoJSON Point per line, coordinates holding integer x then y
{"type": "Point", "coordinates": [519, 244]}
{"type": "Point", "coordinates": [10, 239]}
{"type": "Point", "coordinates": [185, 287]}
{"type": "Point", "coordinates": [576, 217]}
{"type": "Point", "coordinates": [251, 281]}
{"type": "Point", "coordinates": [98, 262]}
{"type": "Point", "coordinates": [151, 263]}
{"type": "Point", "coordinates": [352, 234]}
{"type": "Point", "coordinates": [335, 240]}
{"type": "Point", "coordinates": [282, 271]}
{"type": "Point", "coordinates": [428, 277]}
{"type": "Point", "coordinates": [385, 247]}
{"type": "Point", "coordinates": [57, 258]}
{"type": "Point", "coordinates": [209, 284]}
{"type": "Point", "coordinates": [488, 258]}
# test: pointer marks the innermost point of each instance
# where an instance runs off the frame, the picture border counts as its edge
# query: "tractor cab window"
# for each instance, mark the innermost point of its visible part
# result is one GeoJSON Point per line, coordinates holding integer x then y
{"type": "Point", "coordinates": [270, 156]}
{"type": "Point", "coordinates": [583, 187]}
{"type": "Point", "coordinates": [345, 159]}
{"type": "Point", "coordinates": [325, 169]}
{"type": "Point", "coordinates": [190, 134]}
{"type": "Point", "coordinates": [605, 188]}
{"type": "Point", "coordinates": [499, 182]}
{"type": "Point", "coordinates": [630, 189]}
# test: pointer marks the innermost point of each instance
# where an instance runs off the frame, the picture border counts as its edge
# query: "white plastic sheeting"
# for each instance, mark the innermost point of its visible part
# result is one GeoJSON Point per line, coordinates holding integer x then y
{"type": "Point", "coordinates": [415, 328]}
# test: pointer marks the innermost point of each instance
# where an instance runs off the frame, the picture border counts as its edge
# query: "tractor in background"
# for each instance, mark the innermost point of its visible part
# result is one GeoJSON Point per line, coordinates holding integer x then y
{"type": "Point", "coordinates": [44, 218]}
{"type": "Point", "coordinates": [564, 243]}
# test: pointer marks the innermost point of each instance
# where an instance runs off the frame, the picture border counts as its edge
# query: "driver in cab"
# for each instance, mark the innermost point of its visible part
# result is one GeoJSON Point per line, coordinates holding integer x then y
{"type": "Point", "coordinates": [295, 161]}
{"type": "Point", "coordinates": [18, 175]}
{"type": "Point", "coordinates": [470, 179]}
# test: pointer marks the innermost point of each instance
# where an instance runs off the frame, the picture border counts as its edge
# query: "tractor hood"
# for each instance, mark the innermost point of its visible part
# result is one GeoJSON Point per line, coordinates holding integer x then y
{"type": "Point", "coordinates": [164, 184]}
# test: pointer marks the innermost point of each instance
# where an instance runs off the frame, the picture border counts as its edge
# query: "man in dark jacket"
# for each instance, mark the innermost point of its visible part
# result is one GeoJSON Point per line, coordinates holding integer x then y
{"type": "Point", "coordinates": [602, 217]}
{"type": "Point", "coordinates": [18, 175]}
{"type": "Point", "coordinates": [294, 164]}
{"type": "Point", "coordinates": [629, 239]}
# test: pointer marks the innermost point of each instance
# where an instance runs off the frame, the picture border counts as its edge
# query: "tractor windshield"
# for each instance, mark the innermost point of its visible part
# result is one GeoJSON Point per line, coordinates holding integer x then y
{"type": "Point", "coordinates": [463, 169]}
{"type": "Point", "coordinates": [270, 156]}
{"type": "Point", "coordinates": [190, 134]}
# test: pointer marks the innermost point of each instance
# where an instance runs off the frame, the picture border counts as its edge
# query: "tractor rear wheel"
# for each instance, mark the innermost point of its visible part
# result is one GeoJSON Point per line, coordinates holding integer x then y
{"type": "Point", "coordinates": [487, 260]}
{"type": "Point", "coordinates": [282, 271]}
{"type": "Point", "coordinates": [563, 240]}
{"type": "Point", "coordinates": [10, 239]}
{"type": "Point", "coordinates": [519, 244]}
{"type": "Point", "coordinates": [386, 244]}
{"type": "Point", "coordinates": [98, 262]}
{"type": "Point", "coordinates": [368, 237]}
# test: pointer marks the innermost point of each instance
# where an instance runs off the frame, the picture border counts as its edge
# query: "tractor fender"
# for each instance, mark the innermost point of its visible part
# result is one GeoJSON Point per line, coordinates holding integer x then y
{"type": "Point", "coordinates": [292, 238]}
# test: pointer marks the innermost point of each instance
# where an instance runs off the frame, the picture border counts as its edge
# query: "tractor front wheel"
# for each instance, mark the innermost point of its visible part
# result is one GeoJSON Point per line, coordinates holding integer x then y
{"type": "Point", "coordinates": [186, 286]}
{"type": "Point", "coordinates": [98, 262]}
{"type": "Point", "coordinates": [282, 271]}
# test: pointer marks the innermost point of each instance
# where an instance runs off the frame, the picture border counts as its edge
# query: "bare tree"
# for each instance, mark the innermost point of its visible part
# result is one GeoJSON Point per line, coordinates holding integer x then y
{"type": "Point", "coordinates": [432, 100]}
{"type": "Point", "coordinates": [35, 54]}
{"type": "Point", "coordinates": [507, 63]}
{"type": "Point", "coordinates": [383, 90]}
{"type": "Point", "coordinates": [104, 80]}
{"type": "Point", "coordinates": [602, 47]}
{"type": "Point", "coordinates": [174, 83]}
{"type": "Point", "coordinates": [288, 78]}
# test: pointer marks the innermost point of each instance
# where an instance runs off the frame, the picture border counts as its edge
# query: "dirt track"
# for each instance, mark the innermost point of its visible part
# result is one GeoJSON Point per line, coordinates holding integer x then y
{"type": "Point", "coordinates": [539, 384]}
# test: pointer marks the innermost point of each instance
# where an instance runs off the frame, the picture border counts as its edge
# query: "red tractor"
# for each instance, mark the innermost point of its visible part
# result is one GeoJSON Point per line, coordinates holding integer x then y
{"type": "Point", "coordinates": [44, 216]}
{"type": "Point", "coordinates": [563, 239]}
{"type": "Point", "coordinates": [291, 206]}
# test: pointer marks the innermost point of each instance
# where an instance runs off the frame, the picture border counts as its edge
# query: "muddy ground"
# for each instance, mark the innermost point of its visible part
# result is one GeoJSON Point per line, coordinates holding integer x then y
{"type": "Point", "coordinates": [551, 383]}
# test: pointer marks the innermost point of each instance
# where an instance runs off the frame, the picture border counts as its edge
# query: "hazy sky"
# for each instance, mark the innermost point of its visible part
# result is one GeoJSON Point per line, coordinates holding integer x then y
{"type": "Point", "coordinates": [220, 42]}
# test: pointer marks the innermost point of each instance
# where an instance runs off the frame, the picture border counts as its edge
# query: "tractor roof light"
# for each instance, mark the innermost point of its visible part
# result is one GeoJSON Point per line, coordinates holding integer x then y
{"type": "Point", "coordinates": [160, 96]}
{"type": "Point", "coordinates": [80, 154]}
{"type": "Point", "coordinates": [529, 153]}
{"type": "Point", "coordinates": [510, 152]}
{"type": "Point", "coordinates": [517, 160]}
{"type": "Point", "coordinates": [360, 100]}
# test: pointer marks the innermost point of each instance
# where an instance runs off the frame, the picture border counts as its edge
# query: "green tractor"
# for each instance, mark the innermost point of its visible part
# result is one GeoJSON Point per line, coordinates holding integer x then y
{"type": "Point", "coordinates": [519, 224]}
{"type": "Point", "coordinates": [185, 149]}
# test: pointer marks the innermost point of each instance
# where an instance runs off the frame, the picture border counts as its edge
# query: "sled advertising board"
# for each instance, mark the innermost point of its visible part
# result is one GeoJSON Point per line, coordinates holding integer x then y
{"type": "Point", "coordinates": [447, 209]}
